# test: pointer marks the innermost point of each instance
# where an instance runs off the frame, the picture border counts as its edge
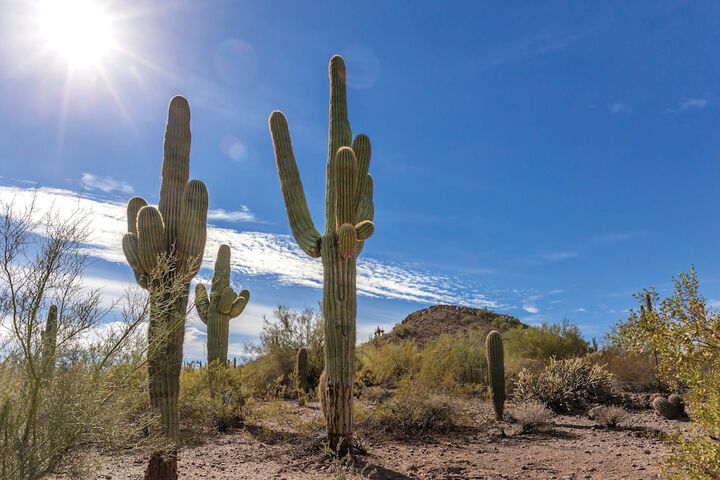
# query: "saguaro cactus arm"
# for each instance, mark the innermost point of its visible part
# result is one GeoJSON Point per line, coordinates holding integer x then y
{"type": "Point", "coordinates": [202, 303]}
{"type": "Point", "coordinates": [301, 223]}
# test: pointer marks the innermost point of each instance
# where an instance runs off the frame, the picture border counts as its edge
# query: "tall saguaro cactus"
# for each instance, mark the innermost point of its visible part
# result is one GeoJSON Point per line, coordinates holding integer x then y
{"type": "Point", "coordinates": [496, 370]}
{"type": "Point", "coordinates": [220, 307]}
{"type": "Point", "coordinates": [348, 223]}
{"type": "Point", "coordinates": [164, 247]}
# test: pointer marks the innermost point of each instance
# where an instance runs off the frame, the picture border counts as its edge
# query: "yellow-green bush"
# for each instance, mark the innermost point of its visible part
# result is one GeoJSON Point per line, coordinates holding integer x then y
{"type": "Point", "coordinates": [200, 408]}
{"type": "Point", "coordinates": [386, 363]}
{"type": "Point", "coordinates": [545, 342]}
{"type": "Point", "coordinates": [454, 361]}
{"type": "Point", "coordinates": [634, 371]}
{"type": "Point", "coordinates": [683, 332]}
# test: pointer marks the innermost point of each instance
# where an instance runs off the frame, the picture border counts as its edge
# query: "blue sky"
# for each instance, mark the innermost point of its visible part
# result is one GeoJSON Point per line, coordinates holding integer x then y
{"type": "Point", "coordinates": [546, 159]}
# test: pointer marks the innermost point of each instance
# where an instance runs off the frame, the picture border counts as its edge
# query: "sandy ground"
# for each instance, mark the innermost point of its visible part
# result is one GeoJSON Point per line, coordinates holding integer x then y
{"type": "Point", "coordinates": [573, 448]}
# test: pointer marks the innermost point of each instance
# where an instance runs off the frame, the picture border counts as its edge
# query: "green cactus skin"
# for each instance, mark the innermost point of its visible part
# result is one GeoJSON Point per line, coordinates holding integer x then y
{"type": "Point", "coordinates": [176, 230]}
{"type": "Point", "coordinates": [496, 370]}
{"type": "Point", "coordinates": [348, 223]}
{"type": "Point", "coordinates": [220, 307]}
{"type": "Point", "coordinates": [301, 372]}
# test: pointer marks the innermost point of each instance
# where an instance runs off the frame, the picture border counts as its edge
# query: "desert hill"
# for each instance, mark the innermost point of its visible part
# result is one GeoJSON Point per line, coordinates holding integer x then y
{"type": "Point", "coordinates": [429, 323]}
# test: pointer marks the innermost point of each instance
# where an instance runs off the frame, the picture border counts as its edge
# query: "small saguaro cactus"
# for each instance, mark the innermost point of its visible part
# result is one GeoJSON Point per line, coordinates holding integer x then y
{"type": "Point", "coordinates": [496, 371]}
{"type": "Point", "coordinates": [348, 223]}
{"type": "Point", "coordinates": [164, 246]}
{"type": "Point", "coordinates": [301, 372]}
{"type": "Point", "coordinates": [49, 340]}
{"type": "Point", "coordinates": [220, 307]}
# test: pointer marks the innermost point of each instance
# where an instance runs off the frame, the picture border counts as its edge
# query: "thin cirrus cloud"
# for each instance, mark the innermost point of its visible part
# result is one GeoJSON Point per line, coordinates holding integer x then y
{"type": "Point", "coordinates": [105, 184]}
{"type": "Point", "coordinates": [243, 214]}
{"type": "Point", "coordinates": [261, 254]}
{"type": "Point", "coordinates": [619, 107]}
{"type": "Point", "coordinates": [557, 256]}
{"type": "Point", "coordinates": [689, 104]}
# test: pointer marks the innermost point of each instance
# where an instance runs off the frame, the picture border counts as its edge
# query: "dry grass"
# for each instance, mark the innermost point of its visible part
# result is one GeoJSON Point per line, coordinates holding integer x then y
{"type": "Point", "coordinates": [531, 416]}
{"type": "Point", "coordinates": [608, 416]}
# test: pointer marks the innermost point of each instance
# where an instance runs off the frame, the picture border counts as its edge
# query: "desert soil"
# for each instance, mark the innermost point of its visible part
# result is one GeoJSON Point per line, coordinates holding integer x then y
{"type": "Point", "coordinates": [572, 448]}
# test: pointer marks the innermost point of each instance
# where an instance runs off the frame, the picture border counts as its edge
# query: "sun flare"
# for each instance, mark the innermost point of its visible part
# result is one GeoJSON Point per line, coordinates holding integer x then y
{"type": "Point", "coordinates": [80, 32]}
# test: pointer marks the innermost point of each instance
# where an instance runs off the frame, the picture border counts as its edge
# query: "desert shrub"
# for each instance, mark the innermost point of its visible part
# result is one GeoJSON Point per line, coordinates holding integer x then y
{"type": "Point", "coordinates": [634, 371]}
{"type": "Point", "coordinates": [387, 363]}
{"type": "Point", "coordinates": [546, 341]}
{"type": "Point", "coordinates": [531, 416]}
{"type": "Point", "coordinates": [566, 386]}
{"type": "Point", "coordinates": [411, 410]}
{"type": "Point", "coordinates": [282, 417]}
{"type": "Point", "coordinates": [684, 332]}
{"type": "Point", "coordinates": [280, 339]}
{"type": "Point", "coordinates": [607, 416]}
{"type": "Point", "coordinates": [454, 361]}
{"type": "Point", "coordinates": [70, 368]}
{"type": "Point", "coordinates": [200, 407]}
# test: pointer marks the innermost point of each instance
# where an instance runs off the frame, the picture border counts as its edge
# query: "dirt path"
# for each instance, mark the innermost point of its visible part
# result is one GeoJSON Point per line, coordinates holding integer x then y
{"type": "Point", "coordinates": [574, 448]}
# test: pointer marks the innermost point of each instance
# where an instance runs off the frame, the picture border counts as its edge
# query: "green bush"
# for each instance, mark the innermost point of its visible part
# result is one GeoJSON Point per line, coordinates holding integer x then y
{"type": "Point", "coordinates": [566, 386]}
{"type": "Point", "coordinates": [199, 408]}
{"type": "Point", "coordinates": [546, 341]}
{"type": "Point", "coordinates": [386, 363]}
{"type": "Point", "coordinates": [454, 361]}
{"type": "Point", "coordinates": [683, 332]}
{"type": "Point", "coordinates": [272, 369]}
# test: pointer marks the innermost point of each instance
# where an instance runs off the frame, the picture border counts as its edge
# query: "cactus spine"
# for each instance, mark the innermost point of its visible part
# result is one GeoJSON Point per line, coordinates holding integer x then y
{"type": "Point", "coordinates": [496, 371]}
{"type": "Point", "coordinates": [348, 222]}
{"type": "Point", "coordinates": [164, 246]}
{"type": "Point", "coordinates": [220, 307]}
{"type": "Point", "coordinates": [301, 372]}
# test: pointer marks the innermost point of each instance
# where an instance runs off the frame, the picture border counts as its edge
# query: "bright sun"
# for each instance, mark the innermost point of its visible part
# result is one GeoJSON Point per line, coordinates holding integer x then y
{"type": "Point", "coordinates": [78, 31]}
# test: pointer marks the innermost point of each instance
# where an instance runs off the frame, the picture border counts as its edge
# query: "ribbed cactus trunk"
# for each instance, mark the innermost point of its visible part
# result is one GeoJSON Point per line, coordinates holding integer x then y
{"type": "Point", "coordinates": [164, 247]}
{"type": "Point", "coordinates": [348, 223]}
{"type": "Point", "coordinates": [220, 307]}
{"type": "Point", "coordinates": [496, 371]}
{"type": "Point", "coordinates": [339, 310]}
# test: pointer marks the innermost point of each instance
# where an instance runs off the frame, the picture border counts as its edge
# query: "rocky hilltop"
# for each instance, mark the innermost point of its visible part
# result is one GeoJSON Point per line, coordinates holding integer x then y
{"type": "Point", "coordinates": [429, 323]}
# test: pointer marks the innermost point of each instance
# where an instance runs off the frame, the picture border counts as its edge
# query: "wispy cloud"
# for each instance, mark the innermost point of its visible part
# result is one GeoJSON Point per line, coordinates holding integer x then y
{"type": "Point", "coordinates": [610, 238]}
{"type": "Point", "coordinates": [619, 107]}
{"type": "Point", "coordinates": [538, 44]}
{"type": "Point", "coordinates": [275, 256]}
{"type": "Point", "coordinates": [531, 309]}
{"type": "Point", "coordinates": [243, 214]}
{"type": "Point", "coordinates": [105, 184]}
{"type": "Point", "coordinates": [557, 256]}
{"type": "Point", "coordinates": [689, 104]}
